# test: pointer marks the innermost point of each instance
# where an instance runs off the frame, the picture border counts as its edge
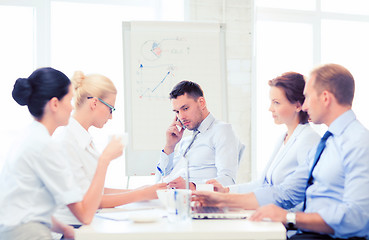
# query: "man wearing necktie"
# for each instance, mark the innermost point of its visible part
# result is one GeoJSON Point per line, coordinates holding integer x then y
{"type": "Point", "coordinates": [212, 150]}
{"type": "Point", "coordinates": [333, 181]}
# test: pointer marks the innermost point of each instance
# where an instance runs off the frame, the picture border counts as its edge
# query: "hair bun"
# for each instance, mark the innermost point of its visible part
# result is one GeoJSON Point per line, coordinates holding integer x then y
{"type": "Point", "coordinates": [22, 91]}
{"type": "Point", "coordinates": [77, 79]}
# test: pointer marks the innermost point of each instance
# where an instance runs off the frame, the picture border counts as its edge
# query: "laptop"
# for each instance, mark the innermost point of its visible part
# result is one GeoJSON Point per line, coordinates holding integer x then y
{"type": "Point", "coordinates": [219, 213]}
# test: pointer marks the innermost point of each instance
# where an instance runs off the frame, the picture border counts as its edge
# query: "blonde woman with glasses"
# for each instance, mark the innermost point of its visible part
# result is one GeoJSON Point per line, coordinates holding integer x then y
{"type": "Point", "coordinates": [94, 100]}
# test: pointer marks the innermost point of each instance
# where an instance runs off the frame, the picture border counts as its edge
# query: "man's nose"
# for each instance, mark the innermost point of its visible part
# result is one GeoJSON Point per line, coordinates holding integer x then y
{"type": "Point", "coordinates": [180, 115]}
{"type": "Point", "coordinates": [304, 107]}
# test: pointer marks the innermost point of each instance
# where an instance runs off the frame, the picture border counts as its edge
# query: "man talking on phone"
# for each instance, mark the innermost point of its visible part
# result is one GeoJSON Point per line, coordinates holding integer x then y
{"type": "Point", "coordinates": [212, 151]}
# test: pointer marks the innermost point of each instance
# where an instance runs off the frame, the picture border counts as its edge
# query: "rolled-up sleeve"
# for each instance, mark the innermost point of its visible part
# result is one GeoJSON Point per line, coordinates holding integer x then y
{"type": "Point", "coordinates": [350, 217]}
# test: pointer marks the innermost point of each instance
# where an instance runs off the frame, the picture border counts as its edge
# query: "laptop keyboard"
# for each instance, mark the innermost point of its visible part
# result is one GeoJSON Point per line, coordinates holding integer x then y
{"type": "Point", "coordinates": [208, 210]}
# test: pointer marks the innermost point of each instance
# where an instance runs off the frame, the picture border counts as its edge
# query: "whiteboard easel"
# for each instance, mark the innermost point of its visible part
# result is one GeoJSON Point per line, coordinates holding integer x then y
{"type": "Point", "coordinates": [156, 56]}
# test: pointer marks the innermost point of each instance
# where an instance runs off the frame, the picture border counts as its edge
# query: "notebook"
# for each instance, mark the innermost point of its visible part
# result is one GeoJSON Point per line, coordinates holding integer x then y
{"type": "Point", "coordinates": [219, 213]}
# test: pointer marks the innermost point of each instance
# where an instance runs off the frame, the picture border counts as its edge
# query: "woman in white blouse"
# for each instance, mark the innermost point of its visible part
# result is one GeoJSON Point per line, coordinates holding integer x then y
{"type": "Point", "coordinates": [94, 104]}
{"type": "Point", "coordinates": [36, 177]}
{"type": "Point", "coordinates": [286, 96]}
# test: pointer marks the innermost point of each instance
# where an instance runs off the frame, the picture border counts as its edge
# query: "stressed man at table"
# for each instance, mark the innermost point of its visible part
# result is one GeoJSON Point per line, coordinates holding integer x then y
{"type": "Point", "coordinates": [212, 150]}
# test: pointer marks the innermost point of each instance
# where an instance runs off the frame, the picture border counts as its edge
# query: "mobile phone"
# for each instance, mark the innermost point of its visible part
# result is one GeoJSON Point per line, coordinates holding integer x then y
{"type": "Point", "coordinates": [183, 126]}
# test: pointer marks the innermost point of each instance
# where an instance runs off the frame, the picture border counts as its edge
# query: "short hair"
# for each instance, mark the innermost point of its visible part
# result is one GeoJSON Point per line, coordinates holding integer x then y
{"type": "Point", "coordinates": [41, 86]}
{"type": "Point", "coordinates": [93, 85]}
{"type": "Point", "coordinates": [293, 85]}
{"type": "Point", "coordinates": [191, 88]}
{"type": "Point", "coordinates": [337, 80]}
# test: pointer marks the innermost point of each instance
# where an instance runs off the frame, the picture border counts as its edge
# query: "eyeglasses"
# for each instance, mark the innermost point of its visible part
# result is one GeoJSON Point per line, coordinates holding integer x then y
{"type": "Point", "coordinates": [111, 108]}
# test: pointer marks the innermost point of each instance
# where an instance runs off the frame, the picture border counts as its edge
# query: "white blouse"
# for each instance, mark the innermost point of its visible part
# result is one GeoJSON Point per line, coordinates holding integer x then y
{"type": "Point", "coordinates": [82, 157]}
{"type": "Point", "coordinates": [34, 180]}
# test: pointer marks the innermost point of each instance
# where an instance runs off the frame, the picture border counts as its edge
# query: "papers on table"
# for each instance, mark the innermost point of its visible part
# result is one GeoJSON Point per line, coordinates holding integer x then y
{"type": "Point", "coordinates": [147, 211]}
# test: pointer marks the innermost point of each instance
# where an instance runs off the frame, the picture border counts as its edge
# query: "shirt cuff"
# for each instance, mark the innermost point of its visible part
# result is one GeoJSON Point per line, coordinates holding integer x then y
{"type": "Point", "coordinates": [333, 217]}
{"type": "Point", "coordinates": [164, 161]}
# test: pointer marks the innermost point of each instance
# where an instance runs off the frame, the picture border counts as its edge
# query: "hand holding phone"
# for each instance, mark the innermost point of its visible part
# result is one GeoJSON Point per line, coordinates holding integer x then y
{"type": "Point", "coordinates": [173, 134]}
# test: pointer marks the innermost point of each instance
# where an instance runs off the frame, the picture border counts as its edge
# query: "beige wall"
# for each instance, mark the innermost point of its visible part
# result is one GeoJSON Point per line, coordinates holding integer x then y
{"type": "Point", "coordinates": [238, 16]}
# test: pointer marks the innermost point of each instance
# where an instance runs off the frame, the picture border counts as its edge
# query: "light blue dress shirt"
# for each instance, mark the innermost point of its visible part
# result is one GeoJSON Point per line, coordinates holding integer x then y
{"type": "Point", "coordinates": [283, 162]}
{"type": "Point", "coordinates": [214, 154]}
{"type": "Point", "coordinates": [34, 180]}
{"type": "Point", "coordinates": [339, 193]}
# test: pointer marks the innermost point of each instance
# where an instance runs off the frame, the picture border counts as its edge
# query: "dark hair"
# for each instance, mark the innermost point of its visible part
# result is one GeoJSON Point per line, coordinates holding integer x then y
{"type": "Point", "coordinates": [337, 80]}
{"type": "Point", "coordinates": [293, 85]}
{"type": "Point", "coordinates": [192, 89]}
{"type": "Point", "coordinates": [41, 86]}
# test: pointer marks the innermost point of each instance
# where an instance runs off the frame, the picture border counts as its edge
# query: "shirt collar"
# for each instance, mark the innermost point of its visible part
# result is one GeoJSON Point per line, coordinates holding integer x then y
{"type": "Point", "coordinates": [43, 129]}
{"type": "Point", "coordinates": [298, 129]}
{"type": "Point", "coordinates": [82, 136]}
{"type": "Point", "coordinates": [339, 124]}
{"type": "Point", "coordinates": [206, 123]}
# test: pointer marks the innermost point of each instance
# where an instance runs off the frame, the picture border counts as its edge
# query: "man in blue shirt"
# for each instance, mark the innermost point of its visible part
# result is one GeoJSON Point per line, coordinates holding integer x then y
{"type": "Point", "coordinates": [213, 150]}
{"type": "Point", "coordinates": [333, 181]}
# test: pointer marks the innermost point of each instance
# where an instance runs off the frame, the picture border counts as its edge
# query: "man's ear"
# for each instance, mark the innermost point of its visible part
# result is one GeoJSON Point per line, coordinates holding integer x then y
{"type": "Point", "coordinates": [326, 97]}
{"type": "Point", "coordinates": [202, 102]}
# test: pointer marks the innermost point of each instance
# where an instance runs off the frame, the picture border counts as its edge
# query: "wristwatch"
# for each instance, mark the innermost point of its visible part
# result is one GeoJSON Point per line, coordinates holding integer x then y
{"type": "Point", "coordinates": [291, 220]}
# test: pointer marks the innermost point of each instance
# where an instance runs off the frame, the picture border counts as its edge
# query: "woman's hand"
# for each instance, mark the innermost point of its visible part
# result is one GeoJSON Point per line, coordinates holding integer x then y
{"type": "Point", "coordinates": [114, 149]}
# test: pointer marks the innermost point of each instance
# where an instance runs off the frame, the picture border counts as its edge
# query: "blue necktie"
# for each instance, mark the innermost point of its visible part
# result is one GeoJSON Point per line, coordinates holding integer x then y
{"type": "Point", "coordinates": [195, 133]}
{"type": "Point", "coordinates": [318, 153]}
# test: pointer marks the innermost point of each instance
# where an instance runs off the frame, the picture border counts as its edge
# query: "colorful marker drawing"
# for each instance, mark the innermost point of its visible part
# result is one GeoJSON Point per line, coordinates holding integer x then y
{"type": "Point", "coordinates": [154, 90]}
{"type": "Point", "coordinates": [155, 74]}
{"type": "Point", "coordinates": [156, 50]}
{"type": "Point", "coordinates": [152, 50]}
{"type": "Point", "coordinates": [161, 82]}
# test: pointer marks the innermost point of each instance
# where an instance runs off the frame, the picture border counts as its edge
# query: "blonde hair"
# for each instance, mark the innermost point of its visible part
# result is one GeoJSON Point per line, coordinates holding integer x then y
{"type": "Point", "coordinates": [93, 85]}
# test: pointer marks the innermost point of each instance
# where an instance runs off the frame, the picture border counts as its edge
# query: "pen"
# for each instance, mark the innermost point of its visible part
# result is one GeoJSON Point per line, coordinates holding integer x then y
{"type": "Point", "coordinates": [161, 173]}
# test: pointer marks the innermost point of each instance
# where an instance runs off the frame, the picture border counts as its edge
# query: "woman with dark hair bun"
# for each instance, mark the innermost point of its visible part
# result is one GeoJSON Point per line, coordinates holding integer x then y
{"type": "Point", "coordinates": [36, 177]}
{"type": "Point", "coordinates": [41, 86]}
{"type": "Point", "coordinates": [286, 99]}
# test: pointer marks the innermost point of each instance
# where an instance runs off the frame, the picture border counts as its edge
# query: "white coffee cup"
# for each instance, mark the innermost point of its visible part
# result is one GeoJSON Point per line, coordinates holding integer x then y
{"type": "Point", "coordinates": [124, 137]}
{"type": "Point", "coordinates": [205, 187]}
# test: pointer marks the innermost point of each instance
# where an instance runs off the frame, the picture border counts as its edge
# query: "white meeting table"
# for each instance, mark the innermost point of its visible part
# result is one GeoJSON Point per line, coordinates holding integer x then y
{"type": "Point", "coordinates": [105, 228]}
